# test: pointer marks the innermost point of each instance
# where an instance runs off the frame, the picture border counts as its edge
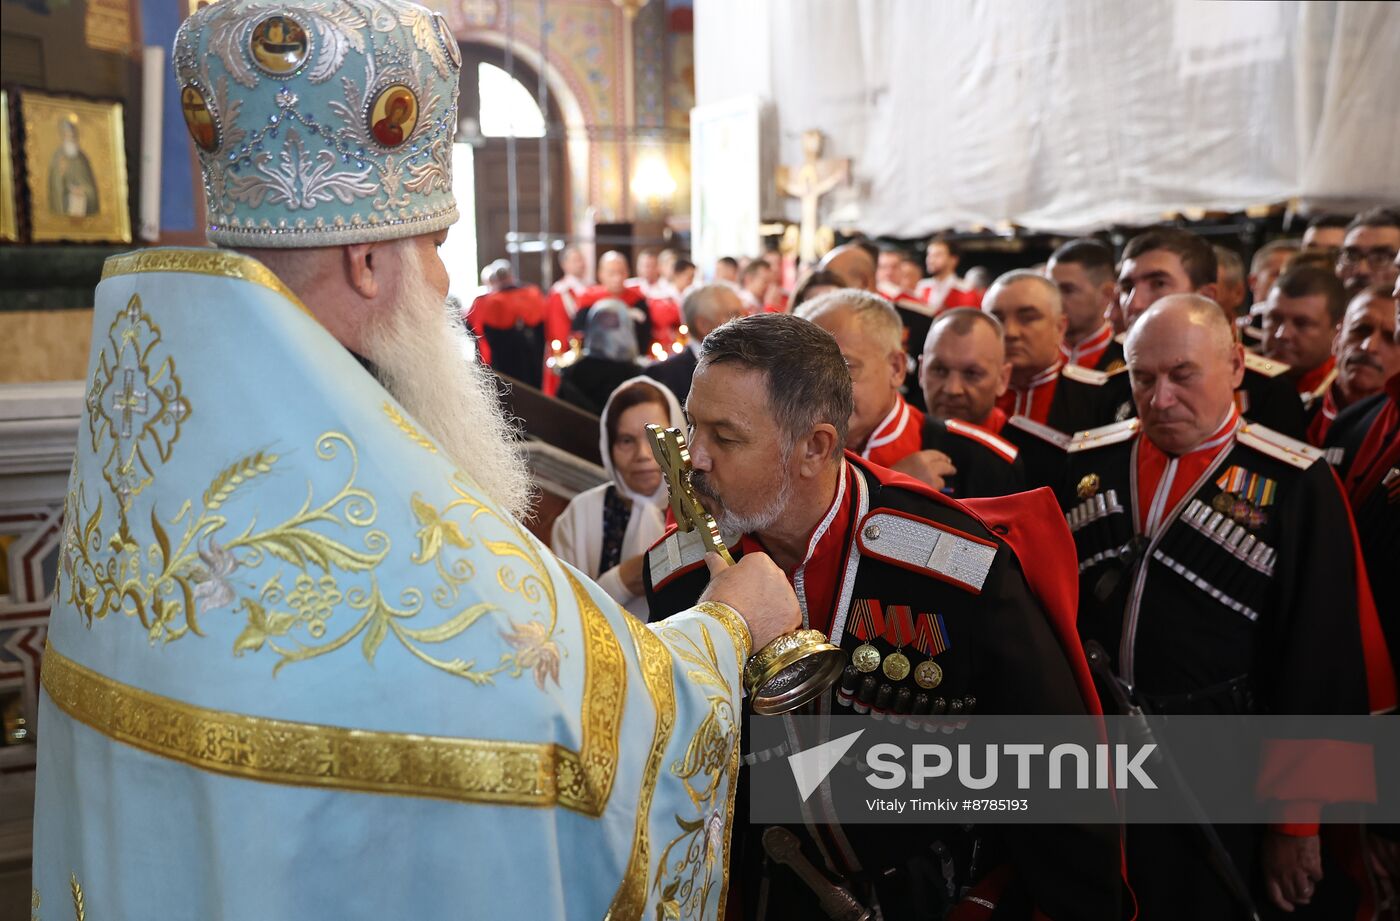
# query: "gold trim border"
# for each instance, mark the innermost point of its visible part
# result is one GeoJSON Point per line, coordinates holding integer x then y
{"type": "Point", "coordinates": [734, 624]}
{"type": "Point", "coordinates": [657, 674]}
{"type": "Point", "coordinates": [331, 757]}
{"type": "Point", "coordinates": [220, 263]}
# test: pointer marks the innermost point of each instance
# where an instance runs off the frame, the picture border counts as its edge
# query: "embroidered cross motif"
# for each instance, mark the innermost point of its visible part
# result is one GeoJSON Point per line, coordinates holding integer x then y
{"type": "Point", "coordinates": [131, 398]}
{"type": "Point", "coordinates": [136, 403]}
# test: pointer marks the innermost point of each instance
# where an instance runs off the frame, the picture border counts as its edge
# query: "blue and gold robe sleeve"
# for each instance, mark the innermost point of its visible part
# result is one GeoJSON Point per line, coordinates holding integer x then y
{"type": "Point", "coordinates": [300, 667]}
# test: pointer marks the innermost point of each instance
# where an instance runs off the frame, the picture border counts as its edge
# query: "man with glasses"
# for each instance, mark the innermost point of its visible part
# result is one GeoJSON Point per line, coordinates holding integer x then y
{"type": "Point", "coordinates": [1368, 252]}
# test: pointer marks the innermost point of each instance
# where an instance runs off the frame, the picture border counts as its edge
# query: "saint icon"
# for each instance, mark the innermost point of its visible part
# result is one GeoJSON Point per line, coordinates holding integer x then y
{"type": "Point", "coordinates": [394, 115]}
{"type": "Point", "coordinates": [278, 45]}
{"type": "Point", "coordinates": [72, 186]}
{"type": "Point", "coordinates": [198, 119]}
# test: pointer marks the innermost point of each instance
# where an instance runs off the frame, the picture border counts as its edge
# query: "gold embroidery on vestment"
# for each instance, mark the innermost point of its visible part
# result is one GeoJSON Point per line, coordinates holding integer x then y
{"type": "Point", "coordinates": [655, 661]}
{"type": "Point", "coordinates": [711, 758]}
{"type": "Point", "coordinates": [312, 755]}
{"type": "Point", "coordinates": [221, 263]}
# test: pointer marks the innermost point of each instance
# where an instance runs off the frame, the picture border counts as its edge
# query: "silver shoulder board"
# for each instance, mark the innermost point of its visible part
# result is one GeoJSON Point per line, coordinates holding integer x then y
{"type": "Point", "coordinates": [1279, 447]}
{"type": "Point", "coordinates": [678, 551]}
{"type": "Point", "coordinates": [1084, 375]}
{"type": "Point", "coordinates": [1104, 435]}
{"type": "Point", "coordinates": [926, 547]}
{"type": "Point", "coordinates": [1040, 430]}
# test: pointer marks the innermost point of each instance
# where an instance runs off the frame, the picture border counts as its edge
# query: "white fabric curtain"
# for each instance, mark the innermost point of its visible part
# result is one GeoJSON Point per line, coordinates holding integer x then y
{"type": "Point", "coordinates": [1070, 115]}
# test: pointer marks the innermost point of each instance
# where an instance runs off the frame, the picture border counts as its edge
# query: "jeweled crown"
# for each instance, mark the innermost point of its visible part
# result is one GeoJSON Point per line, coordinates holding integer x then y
{"type": "Point", "coordinates": [320, 122]}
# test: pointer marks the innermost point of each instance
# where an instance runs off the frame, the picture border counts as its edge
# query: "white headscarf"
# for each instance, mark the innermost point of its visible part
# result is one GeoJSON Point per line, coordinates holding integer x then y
{"type": "Point", "coordinates": [673, 408]}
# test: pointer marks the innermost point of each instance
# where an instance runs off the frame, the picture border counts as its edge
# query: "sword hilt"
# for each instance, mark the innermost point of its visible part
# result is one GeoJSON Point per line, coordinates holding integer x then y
{"type": "Point", "coordinates": [838, 904]}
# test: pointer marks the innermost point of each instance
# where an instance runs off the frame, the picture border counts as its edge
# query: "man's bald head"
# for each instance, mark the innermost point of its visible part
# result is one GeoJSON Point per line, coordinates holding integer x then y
{"type": "Point", "coordinates": [1185, 366]}
{"type": "Point", "coordinates": [708, 307]}
{"type": "Point", "coordinates": [612, 270]}
{"type": "Point", "coordinates": [1187, 308]}
{"type": "Point", "coordinates": [853, 264]}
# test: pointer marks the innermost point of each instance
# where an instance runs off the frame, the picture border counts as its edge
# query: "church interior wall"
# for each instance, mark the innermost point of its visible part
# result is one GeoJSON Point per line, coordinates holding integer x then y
{"type": "Point", "coordinates": [44, 345]}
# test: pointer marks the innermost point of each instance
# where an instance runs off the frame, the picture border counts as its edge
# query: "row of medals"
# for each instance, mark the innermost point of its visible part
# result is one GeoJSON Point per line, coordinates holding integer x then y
{"type": "Point", "coordinates": [927, 674]}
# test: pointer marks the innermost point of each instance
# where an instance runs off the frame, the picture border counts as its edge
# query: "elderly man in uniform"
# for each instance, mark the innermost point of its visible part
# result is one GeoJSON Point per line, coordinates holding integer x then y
{"type": "Point", "coordinates": [1044, 388]}
{"type": "Point", "coordinates": [769, 411]}
{"type": "Point", "coordinates": [1365, 439]}
{"type": "Point", "coordinates": [1049, 398]}
{"type": "Point", "coordinates": [1367, 353]}
{"type": "Point", "coordinates": [947, 454]}
{"type": "Point", "coordinates": [1218, 571]}
{"type": "Point", "coordinates": [508, 321]}
{"type": "Point", "coordinates": [304, 661]}
{"type": "Point", "coordinates": [1169, 260]}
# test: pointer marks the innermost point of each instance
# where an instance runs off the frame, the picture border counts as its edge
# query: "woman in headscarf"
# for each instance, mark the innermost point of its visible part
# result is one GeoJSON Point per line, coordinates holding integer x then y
{"type": "Point", "coordinates": [607, 530]}
{"type": "Point", "coordinates": [609, 357]}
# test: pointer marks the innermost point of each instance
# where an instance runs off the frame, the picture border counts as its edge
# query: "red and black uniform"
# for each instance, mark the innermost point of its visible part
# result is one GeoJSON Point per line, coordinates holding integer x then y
{"type": "Point", "coordinates": [636, 304]}
{"type": "Point", "coordinates": [987, 465]}
{"type": "Point", "coordinates": [1062, 401]}
{"type": "Point", "coordinates": [1001, 635]}
{"type": "Point", "coordinates": [1221, 581]}
{"type": "Point", "coordinates": [510, 327]}
{"type": "Point", "coordinates": [1323, 413]}
{"type": "Point", "coordinates": [1099, 350]}
{"type": "Point", "coordinates": [1314, 389]}
{"type": "Point", "coordinates": [560, 307]}
{"type": "Point", "coordinates": [1367, 437]}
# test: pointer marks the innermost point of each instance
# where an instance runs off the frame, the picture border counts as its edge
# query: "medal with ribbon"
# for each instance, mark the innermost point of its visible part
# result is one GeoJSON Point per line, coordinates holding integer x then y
{"type": "Point", "coordinates": [899, 632]}
{"type": "Point", "coordinates": [867, 622]}
{"type": "Point", "coordinates": [930, 638]}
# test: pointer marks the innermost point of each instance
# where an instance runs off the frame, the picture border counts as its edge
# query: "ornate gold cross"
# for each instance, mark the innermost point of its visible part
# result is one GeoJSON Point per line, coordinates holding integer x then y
{"type": "Point", "coordinates": [673, 455]}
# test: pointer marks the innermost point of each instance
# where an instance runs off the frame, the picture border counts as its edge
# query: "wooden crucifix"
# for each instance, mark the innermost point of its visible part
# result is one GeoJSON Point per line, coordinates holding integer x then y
{"type": "Point", "coordinates": [808, 183]}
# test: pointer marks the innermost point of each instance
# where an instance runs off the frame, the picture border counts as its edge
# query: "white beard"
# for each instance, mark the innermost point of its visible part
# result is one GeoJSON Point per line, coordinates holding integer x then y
{"type": "Point", "coordinates": [421, 356]}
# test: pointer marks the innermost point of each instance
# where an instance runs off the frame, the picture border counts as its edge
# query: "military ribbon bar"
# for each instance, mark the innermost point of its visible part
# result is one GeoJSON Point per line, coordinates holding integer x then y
{"type": "Point", "coordinates": [867, 619]}
{"type": "Point", "coordinates": [931, 638]}
{"type": "Point", "coordinates": [1233, 479]}
{"type": "Point", "coordinates": [899, 625]}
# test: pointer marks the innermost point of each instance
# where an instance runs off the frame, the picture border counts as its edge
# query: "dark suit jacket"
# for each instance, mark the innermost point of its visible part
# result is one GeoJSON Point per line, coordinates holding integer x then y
{"type": "Point", "coordinates": [675, 372]}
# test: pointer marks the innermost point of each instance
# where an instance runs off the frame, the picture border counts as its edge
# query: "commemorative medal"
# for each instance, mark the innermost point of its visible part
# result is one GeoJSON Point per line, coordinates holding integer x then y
{"type": "Point", "coordinates": [866, 658]}
{"type": "Point", "coordinates": [928, 675]}
{"type": "Point", "coordinates": [896, 666]}
{"type": "Point", "coordinates": [899, 630]}
{"type": "Point", "coordinates": [1088, 486]}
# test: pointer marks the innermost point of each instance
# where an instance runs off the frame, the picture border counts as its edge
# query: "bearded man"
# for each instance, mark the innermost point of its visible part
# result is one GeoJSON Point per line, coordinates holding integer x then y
{"type": "Point", "coordinates": [977, 627]}
{"type": "Point", "coordinates": [302, 648]}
